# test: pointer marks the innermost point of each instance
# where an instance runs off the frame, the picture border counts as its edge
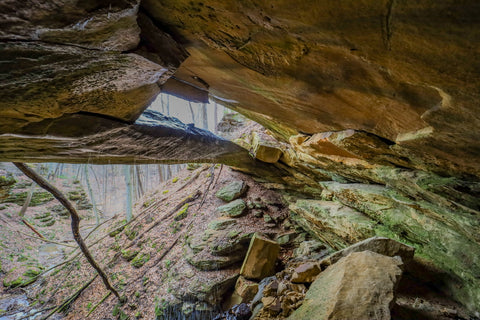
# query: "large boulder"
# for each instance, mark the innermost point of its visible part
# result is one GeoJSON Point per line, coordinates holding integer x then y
{"type": "Point", "coordinates": [232, 191]}
{"type": "Point", "coordinates": [234, 209]}
{"type": "Point", "coordinates": [359, 286]}
{"type": "Point", "coordinates": [260, 259]}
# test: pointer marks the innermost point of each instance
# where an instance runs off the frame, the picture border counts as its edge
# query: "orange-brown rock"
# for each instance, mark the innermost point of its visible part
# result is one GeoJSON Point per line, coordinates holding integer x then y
{"type": "Point", "coordinates": [306, 272]}
{"type": "Point", "coordinates": [359, 286]}
{"type": "Point", "coordinates": [260, 259]}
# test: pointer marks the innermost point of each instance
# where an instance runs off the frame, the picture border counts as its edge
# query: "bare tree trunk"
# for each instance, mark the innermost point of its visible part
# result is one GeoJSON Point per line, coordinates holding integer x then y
{"type": "Point", "coordinates": [191, 112]}
{"type": "Point", "coordinates": [105, 181]}
{"type": "Point", "coordinates": [147, 177]}
{"type": "Point", "coordinates": [141, 191]}
{"type": "Point", "coordinates": [128, 183]}
{"type": "Point", "coordinates": [204, 116]}
{"type": "Point", "coordinates": [160, 173]}
{"type": "Point", "coordinates": [78, 172]}
{"type": "Point", "coordinates": [163, 104]}
{"type": "Point", "coordinates": [168, 105]}
{"type": "Point", "coordinates": [27, 201]}
{"type": "Point", "coordinates": [92, 198]}
{"type": "Point", "coordinates": [215, 116]}
{"type": "Point", "coordinates": [75, 221]}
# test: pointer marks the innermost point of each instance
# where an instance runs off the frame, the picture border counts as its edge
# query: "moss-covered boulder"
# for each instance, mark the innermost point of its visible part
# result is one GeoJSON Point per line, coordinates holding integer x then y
{"type": "Point", "coordinates": [232, 191]}
{"type": "Point", "coordinates": [233, 209]}
{"type": "Point", "coordinates": [205, 261]}
{"type": "Point", "coordinates": [221, 223]}
{"type": "Point", "coordinates": [212, 291]}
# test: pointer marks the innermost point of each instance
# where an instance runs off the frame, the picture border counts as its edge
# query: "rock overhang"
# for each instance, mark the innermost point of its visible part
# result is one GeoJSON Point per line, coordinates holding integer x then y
{"type": "Point", "coordinates": [382, 92]}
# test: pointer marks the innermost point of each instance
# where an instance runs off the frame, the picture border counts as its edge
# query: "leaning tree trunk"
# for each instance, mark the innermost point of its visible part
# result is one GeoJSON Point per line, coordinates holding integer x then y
{"type": "Point", "coordinates": [21, 214]}
{"type": "Point", "coordinates": [90, 194]}
{"type": "Point", "coordinates": [75, 220]}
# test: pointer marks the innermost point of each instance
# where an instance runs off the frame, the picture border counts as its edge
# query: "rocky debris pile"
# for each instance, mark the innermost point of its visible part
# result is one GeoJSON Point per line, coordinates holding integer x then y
{"type": "Point", "coordinates": [358, 282]}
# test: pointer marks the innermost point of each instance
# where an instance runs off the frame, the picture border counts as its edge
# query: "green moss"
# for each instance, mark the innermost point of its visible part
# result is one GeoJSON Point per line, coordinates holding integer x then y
{"type": "Point", "coordinates": [182, 213]}
{"type": "Point", "coordinates": [131, 233]}
{"type": "Point", "coordinates": [174, 179]}
{"type": "Point", "coordinates": [38, 198]}
{"type": "Point", "coordinates": [116, 232]}
{"type": "Point", "coordinates": [140, 259]}
{"type": "Point", "coordinates": [233, 209]}
{"type": "Point", "coordinates": [129, 254]}
{"type": "Point", "coordinates": [233, 234]}
{"type": "Point", "coordinates": [7, 180]}
{"type": "Point", "coordinates": [13, 283]}
{"type": "Point", "coordinates": [193, 166]}
{"type": "Point", "coordinates": [42, 215]}
{"type": "Point", "coordinates": [165, 191]}
{"type": "Point", "coordinates": [116, 310]}
{"type": "Point", "coordinates": [76, 195]}
{"type": "Point", "coordinates": [148, 203]}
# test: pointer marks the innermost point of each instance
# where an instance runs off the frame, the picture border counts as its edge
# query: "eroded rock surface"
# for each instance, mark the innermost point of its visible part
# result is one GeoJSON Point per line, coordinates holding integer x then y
{"type": "Point", "coordinates": [359, 286]}
{"type": "Point", "coordinates": [374, 104]}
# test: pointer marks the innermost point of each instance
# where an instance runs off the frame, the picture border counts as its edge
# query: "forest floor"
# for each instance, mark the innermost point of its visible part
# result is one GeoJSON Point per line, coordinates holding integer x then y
{"type": "Point", "coordinates": [154, 233]}
{"type": "Point", "coordinates": [158, 240]}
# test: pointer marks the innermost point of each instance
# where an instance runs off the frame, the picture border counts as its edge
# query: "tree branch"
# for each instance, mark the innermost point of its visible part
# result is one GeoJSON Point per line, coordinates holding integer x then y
{"type": "Point", "coordinates": [75, 220]}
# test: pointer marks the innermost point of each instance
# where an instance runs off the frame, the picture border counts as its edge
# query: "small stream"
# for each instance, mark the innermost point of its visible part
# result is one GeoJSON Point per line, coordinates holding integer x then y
{"type": "Point", "coordinates": [17, 306]}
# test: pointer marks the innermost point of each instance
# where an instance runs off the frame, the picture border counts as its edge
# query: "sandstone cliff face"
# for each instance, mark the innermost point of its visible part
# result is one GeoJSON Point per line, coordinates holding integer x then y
{"type": "Point", "coordinates": [380, 97]}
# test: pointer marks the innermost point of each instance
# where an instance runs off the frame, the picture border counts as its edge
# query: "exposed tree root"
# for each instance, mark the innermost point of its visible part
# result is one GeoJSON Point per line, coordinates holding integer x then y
{"type": "Point", "coordinates": [219, 173]}
{"type": "Point", "coordinates": [207, 188]}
